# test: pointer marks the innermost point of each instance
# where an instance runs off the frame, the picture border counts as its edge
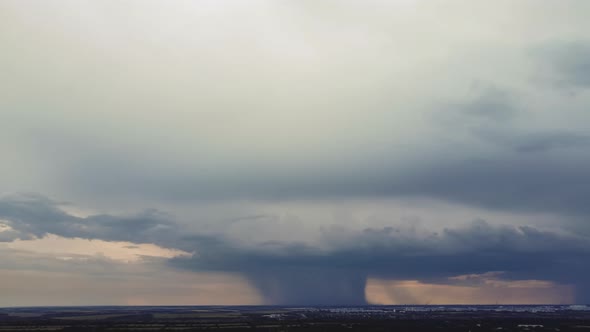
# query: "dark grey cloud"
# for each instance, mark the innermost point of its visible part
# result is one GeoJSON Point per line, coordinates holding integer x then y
{"type": "Point", "coordinates": [335, 270]}
{"type": "Point", "coordinates": [556, 140]}
{"type": "Point", "coordinates": [530, 169]}
{"type": "Point", "coordinates": [371, 249]}
{"type": "Point", "coordinates": [296, 274]}
{"type": "Point", "coordinates": [537, 142]}
{"type": "Point", "coordinates": [486, 154]}
{"type": "Point", "coordinates": [33, 215]}
{"type": "Point", "coordinates": [544, 170]}
{"type": "Point", "coordinates": [517, 183]}
{"type": "Point", "coordinates": [302, 285]}
{"type": "Point", "coordinates": [568, 62]}
{"type": "Point", "coordinates": [488, 105]}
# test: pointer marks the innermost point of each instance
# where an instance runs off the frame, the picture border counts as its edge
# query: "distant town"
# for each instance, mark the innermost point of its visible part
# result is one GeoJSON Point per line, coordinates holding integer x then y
{"type": "Point", "coordinates": [557, 318]}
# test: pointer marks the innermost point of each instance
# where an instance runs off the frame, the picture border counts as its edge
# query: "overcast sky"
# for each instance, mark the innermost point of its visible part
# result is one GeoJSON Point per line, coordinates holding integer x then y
{"type": "Point", "coordinates": [294, 152]}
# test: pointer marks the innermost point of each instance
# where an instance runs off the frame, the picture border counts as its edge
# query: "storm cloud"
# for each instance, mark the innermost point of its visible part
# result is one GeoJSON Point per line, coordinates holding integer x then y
{"type": "Point", "coordinates": [336, 270]}
{"type": "Point", "coordinates": [295, 274]}
{"type": "Point", "coordinates": [306, 147]}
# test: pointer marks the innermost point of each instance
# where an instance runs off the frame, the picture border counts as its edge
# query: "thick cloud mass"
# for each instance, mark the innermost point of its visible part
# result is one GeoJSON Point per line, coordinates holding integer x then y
{"type": "Point", "coordinates": [336, 271]}
{"type": "Point", "coordinates": [32, 215]}
{"type": "Point", "coordinates": [298, 274]}
{"type": "Point", "coordinates": [305, 146]}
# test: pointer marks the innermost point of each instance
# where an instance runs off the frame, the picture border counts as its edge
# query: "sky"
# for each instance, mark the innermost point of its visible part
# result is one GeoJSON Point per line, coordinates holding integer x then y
{"type": "Point", "coordinates": [294, 152]}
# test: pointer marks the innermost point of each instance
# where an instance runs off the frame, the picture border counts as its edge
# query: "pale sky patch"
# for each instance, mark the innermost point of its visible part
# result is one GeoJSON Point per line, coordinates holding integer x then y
{"type": "Point", "coordinates": [118, 251]}
{"type": "Point", "coordinates": [147, 287]}
{"type": "Point", "coordinates": [492, 292]}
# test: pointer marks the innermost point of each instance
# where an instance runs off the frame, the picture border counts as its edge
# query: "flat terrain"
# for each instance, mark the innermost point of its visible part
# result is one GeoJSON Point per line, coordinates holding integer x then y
{"type": "Point", "coordinates": [271, 318]}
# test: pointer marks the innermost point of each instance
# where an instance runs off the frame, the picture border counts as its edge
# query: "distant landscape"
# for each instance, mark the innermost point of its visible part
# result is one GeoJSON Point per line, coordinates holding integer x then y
{"type": "Point", "coordinates": [276, 318]}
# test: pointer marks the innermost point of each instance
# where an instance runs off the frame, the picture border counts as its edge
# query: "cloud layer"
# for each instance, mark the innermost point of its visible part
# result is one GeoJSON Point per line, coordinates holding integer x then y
{"type": "Point", "coordinates": [306, 147]}
{"type": "Point", "coordinates": [336, 269]}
